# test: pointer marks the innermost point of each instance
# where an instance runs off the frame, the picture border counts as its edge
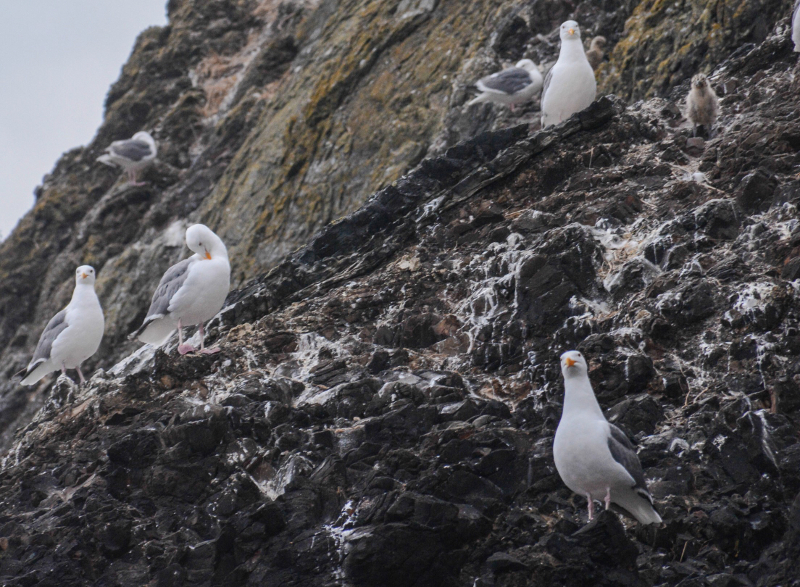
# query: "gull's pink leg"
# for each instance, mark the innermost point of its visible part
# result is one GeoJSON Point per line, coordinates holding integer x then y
{"type": "Point", "coordinates": [80, 375]}
{"type": "Point", "coordinates": [63, 369]}
{"type": "Point", "coordinates": [513, 108]}
{"type": "Point", "coordinates": [183, 348]}
{"type": "Point", "coordinates": [608, 497]}
{"type": "Point", "coordinates": [591, 507]}
{"type": "Point", "coordinates": [133, 177]}
{"type": "Point", "coordinates": [203, 349]}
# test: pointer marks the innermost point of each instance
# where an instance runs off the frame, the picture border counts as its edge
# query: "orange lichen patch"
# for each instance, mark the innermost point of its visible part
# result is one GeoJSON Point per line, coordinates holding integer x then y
{"type": "Point", "coordinates": [217, 75]}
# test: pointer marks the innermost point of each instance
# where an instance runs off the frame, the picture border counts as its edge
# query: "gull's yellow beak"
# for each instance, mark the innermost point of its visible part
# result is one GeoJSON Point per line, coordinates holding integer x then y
{"type": "Point", "coordinates": [208, 255]}
{"type": "Point", "coordinates": [569, 362]}
{"type": "Point", "coordinates": [84, 276]}
{"type": "Point", "coordinates": [571, 32]}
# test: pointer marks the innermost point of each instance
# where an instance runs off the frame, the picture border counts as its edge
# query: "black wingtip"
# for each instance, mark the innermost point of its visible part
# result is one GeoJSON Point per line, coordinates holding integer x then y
{"type": "Point", "coordinates": [135, 334]}
{"type": "Point", "coordinates": [641, 492]}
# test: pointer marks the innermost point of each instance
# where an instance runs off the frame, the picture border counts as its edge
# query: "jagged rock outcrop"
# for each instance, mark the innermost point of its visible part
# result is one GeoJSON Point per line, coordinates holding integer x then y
{"type": "Point", "coordinates": [269, 117]}
{"type": "Point", "coordinates": [383, 409]}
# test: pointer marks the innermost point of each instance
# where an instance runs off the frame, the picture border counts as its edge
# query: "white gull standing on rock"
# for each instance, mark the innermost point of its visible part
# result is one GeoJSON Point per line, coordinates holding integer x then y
{"type": "Point", "coordinates": [132, 154]}
{"type": "Point", "coordinates": [511, 86]}
{"type": "Point", "coordinates": [72, 336]}
{"type": "Point", "coordinates": [191, 292]}
{"type": "Point", "coordinates": [593, 457]}
{"type": "Point", "coordinates": [570, 85]}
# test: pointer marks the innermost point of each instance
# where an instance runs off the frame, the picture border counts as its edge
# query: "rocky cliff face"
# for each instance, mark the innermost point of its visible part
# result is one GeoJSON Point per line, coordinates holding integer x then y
{"type": "Point", "coordinates": [383, 409]}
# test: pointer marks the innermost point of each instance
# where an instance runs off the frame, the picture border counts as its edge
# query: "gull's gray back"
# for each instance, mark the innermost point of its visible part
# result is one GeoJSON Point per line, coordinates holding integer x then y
{"type": "Point", "coordinates": [508, 81]}
{"type": "Point", "coordinates": [55, 327]}
{"type": "Point", "coordinates": [172, 281]}
{"type": "Point", "coordinates": [625, 454]}
{"type": "Point", "coordinates": [135, 150]}
{"type": "Point", "coordinates": [547, 79]}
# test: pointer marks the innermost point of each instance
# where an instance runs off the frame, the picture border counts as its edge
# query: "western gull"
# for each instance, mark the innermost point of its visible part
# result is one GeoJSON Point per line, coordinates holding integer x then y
{"type": "Point", "coordinates": [593, 457]}
{"type": "Point", "coordinates": [701, 104]}
{"type": "Point", "coordinates": [570, 85]}
{"type": "Point", "coordinates": [596, 51]}
{"type": "Point", "coordinates": [191, 292]}
{"type": "Point", "coordinates": [72, 336]}
{"type": "Point", "coordinates": [132, 154]}
{"type": "Point", "coordinates": [511, 86]}
{"type": "Point", "coordinates": [796, 26]}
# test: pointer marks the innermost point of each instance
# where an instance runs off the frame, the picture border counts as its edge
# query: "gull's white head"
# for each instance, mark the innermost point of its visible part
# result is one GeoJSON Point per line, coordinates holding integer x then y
{"type": "Point", "coordinates": [202, 240]}
{"type": "Point", "coordinates": [84, 275]}
{"type": "Point", "coordinates": [570, 31]}
{"type": "Point", "coordinates": [573, 365]}
{"type": "Point", "coordinates": [144, 136]}
{"type": "Point", "coordinates": [526, 64]}
{"type": "Point", "coordinates": [147, 138]}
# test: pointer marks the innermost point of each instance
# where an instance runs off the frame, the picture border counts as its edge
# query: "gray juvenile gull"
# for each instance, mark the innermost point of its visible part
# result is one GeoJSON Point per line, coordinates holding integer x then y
{"type": "Point", "coordinates": [701, 104]}
{"type": "Point", "coordinates": [72, 336]}
{"type": "Point", "coordinates": [596, 51]}
{"type": "Point", "coordinates": [593, 457]}
{"type": "Point", "coordinates": [570, 85]}
{"type": "Point", "coordinates": [132, 154]}
{"type": "Point", "coordinates": [796, 26]}
{"type": "Point", "coordinates": [511, 86]}
{"type": "Point", "coordinates": [191, 292]}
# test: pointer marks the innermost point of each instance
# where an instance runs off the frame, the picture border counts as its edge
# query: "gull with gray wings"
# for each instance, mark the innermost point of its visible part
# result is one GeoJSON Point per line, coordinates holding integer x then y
{"type": "Point", "coordinates": [190, 292]}
{"type": "Point", "coordinates": [132, 155]}
{"type": "Point", "coordinates": [593, 457]}
{"type": "Point", "coordinates": [72, 335]}
{"type": "Point", "coordinates": [511, 86]}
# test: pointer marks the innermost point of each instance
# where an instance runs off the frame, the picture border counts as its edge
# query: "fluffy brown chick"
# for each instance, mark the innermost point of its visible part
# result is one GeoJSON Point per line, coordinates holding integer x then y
{"type": "Point", "coordinates": [701, 104]}
{"type": "Point", "coordinates": [596, 51]}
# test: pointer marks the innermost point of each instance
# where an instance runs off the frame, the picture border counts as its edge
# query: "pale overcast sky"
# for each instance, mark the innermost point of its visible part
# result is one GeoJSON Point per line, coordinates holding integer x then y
{"type": "Point", "coordinates": [57, 60]}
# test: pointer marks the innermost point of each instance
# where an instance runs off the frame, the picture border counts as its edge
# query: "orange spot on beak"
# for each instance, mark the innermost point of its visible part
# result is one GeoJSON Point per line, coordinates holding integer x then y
{"type": "Point", "coordinates": [208, 255]}
{"type": "Point", "coordinates": [84, 276]}
{"type": "Point", "coordinates": [571, 31]}
{"type": "Point", "coordinates": [570, 362]}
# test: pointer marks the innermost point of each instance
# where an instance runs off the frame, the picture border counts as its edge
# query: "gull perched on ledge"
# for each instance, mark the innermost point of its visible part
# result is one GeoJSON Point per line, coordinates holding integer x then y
{"type": "Point", "coordinates": [72, 336]}
{"type": "Point", "coordinates": [511, 86]}
{"type": "Point", "coordinates": [132, 154]}
{"type": "Point", "coordinates": [570, 85]}
{"type": "Point", "coordinates": [191, 292]}
{"type": "Point", "coordinates": [593, 457]}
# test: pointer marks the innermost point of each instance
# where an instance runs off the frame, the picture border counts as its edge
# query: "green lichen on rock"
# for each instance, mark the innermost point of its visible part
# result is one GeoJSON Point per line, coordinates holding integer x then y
{"type": "Point", "coordinates": [344, 124]}
{"type": "Point", "coordinates": [665, 42]}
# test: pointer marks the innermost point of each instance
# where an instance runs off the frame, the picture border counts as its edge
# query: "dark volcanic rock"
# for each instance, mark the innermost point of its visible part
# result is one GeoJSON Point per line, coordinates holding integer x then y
{"type": "Point", "coordinates": [383, 408]}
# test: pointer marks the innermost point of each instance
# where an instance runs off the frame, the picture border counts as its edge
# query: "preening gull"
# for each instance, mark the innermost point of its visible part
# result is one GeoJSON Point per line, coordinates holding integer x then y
{"type": "Point", "coordinates": [570, 85]}
{"type": "Point", "coordinates": [132, 154]}
{"type": "Point", "coordinates": [191, 292]}
{"type": "Point", "coordinates": [596, 51]}
{"type": "Point", "coordinates": [701, 104]}
{"type": "Point", "coordinates": [796, 26]}
{"type": "Point", "coordinates": [593, 457]}
{"type": "Point", "coordinates": [511, 86]}
{"type": "Point", "coordinates": [72, 336]}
